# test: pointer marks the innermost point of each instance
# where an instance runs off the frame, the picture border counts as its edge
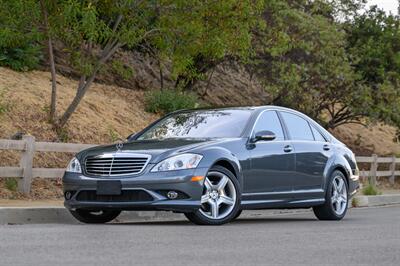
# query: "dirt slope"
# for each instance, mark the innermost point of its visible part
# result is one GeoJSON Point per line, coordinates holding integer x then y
{"type": "Point", "coordinates": [105, 114]}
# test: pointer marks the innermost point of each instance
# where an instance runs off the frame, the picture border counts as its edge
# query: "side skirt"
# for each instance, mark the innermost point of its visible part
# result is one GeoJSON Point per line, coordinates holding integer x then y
{"type": "Point", "coordinates": [280, 203]}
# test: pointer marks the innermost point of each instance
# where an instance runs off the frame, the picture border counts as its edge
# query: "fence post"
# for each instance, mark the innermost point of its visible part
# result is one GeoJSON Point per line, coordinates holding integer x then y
{"type": "Point", "coordinates": [26, 163]}
{"type": "Point", "coordinates": [374, 168]}
{"type": "Point", "coordinates": [392, 169]}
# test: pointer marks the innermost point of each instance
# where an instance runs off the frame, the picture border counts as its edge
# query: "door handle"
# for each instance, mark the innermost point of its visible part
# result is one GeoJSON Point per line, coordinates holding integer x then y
{"type": "Point", "coordinates": [326, 147]}
{"type": "Point", "coordinates": [287, 148]}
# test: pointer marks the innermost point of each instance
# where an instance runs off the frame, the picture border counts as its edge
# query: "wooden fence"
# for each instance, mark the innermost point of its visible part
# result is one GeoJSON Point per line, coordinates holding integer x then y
{"type": "Point", "coordinates": [28, 147]}
{"type": "Point", "coordinates": [25, 172]}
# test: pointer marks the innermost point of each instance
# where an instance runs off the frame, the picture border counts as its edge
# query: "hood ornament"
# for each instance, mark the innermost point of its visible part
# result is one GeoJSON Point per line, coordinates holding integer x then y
{"type": "Point", "coordinates": [119, 146]}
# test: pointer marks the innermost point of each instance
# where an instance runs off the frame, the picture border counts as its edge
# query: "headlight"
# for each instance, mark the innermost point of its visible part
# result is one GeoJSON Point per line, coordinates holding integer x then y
{"type": "Point", "coordinates": [74, 166]}
{"type": "Point", "coordinates": [183, 161]}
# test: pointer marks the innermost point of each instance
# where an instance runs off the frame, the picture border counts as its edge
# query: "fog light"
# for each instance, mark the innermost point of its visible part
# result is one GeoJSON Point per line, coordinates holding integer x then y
{"type": "Point", "coordinates": [68, 195]}
{"type": "Point", "coordinates": [172, 194]}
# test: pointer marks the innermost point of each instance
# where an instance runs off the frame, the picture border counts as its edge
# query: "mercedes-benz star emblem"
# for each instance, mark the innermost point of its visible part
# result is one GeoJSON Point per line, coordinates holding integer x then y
{"type": "Point", "coordinates": [119, 146]}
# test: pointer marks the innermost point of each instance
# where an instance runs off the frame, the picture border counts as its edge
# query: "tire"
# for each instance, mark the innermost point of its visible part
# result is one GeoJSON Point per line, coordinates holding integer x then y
{"type": "Point", "coordinates": [95, 217]}
{"type": "Point", "coordinates": [336, 199]}
{"type": "Point", "coordinates": [220, 200]}
{"type": "Point", "coordinates": [237, 214]}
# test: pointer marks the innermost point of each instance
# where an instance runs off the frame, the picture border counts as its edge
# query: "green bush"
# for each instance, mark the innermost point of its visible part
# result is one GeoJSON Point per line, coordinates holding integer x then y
{"type": "Point", "coordinates": [23, 58]}
{"type": "Point", "coordinates": [370, 190]}
{"type": "Point", "coordinates": [165, 101]}
{"type": "Point", "coordinates": [11, 184]}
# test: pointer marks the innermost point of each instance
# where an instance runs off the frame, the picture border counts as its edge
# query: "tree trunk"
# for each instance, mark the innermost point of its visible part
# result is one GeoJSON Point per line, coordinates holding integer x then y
{"type": "Point", "coordinates": [85, 84]}
{"type": "Point", "coordinates": [53, 101]}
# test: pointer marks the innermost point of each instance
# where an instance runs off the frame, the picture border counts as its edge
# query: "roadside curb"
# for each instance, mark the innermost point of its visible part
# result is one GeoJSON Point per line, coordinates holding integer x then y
{"type": "Point", "coordinates": [378, 200]}
{"type": "Point", "coordinates": [60, 215]}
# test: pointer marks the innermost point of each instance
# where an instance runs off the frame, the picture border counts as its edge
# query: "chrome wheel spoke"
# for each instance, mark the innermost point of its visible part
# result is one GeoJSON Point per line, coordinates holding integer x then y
{"type": "Point", "coordinates": [214, 209]}
{"type": "Point", "coordinates": [205, 198]}
{"type": "Point", "coordinates": [340, 186]}
{"type": "Point", "coordinates": [222, 183]}
{"type": "Point", "coordinates": [226, 200]}
{"type": "Point", "coordinates": [208, 184]}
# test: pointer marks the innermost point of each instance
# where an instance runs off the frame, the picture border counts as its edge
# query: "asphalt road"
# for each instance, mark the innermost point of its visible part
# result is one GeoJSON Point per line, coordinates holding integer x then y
{"type": "Point", "coordinates": [365, 236]}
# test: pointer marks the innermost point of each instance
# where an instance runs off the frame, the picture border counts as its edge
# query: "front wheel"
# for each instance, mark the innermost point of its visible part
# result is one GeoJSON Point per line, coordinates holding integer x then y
{"type": "Point", "coordinates": [220, 200]}
{"type": "Point", "coordinates": [95, 217]}
{"type": "Point", "coordinates": [336, 199]}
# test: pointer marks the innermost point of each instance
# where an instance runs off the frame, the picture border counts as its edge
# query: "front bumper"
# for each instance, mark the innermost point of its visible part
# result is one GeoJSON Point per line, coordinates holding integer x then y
{"type": "Point", "coordinates": [153, 185]}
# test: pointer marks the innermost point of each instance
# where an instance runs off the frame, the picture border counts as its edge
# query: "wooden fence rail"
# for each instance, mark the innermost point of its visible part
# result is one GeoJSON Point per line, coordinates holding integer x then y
{"type": "Point", "coordinates": [27, 146]}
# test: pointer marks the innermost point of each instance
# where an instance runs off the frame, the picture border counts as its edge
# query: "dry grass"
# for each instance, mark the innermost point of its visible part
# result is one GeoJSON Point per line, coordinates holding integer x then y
{"type": "Point", "coordinates": [106, 113]}
{"type": "Point", "coordinates": [377, 138]}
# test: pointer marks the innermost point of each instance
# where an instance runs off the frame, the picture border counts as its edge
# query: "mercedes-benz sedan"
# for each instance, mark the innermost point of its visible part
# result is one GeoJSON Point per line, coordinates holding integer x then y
{"type": "Point", "coordinates": [212, 164]}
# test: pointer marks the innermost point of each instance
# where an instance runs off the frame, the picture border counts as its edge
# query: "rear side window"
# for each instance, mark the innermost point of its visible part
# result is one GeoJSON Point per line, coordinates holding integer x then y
{"type": "Point", "coordinates": [299, 128]}
{"type": "Point", "coordinates": [318, 136]}
{"type": "Point", "coordinates": [269, 121]}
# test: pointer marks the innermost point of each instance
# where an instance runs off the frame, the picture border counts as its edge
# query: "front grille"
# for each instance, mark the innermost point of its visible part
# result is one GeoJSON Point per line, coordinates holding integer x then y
{"type": "Point", "coordinates": [116, 164]}
{"type": "Point", "coordinates": [126, 196]}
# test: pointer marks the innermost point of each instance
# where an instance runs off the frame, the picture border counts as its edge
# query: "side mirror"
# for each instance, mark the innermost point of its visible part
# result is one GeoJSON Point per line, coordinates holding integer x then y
{"type": "Point", "coordinates": [265, 135]}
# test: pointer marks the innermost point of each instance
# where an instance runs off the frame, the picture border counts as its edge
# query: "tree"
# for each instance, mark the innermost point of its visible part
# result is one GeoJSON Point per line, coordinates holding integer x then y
{"type": "Point", "coordinates": [198, 35]}
{"type": "Point", "coordinates": [92, 31]}
{"type": "Point", "coordinates": [301, 57]}
{"type": "Point", "coordinates": [373, 43]}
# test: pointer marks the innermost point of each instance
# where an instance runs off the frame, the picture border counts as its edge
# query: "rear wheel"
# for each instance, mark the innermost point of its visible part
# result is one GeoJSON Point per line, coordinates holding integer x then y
{"type": "Point", "coordinates": [220, 200]}
{"type": "Point", "coordinates": [95, 217]}
{"type": "Point", "coordinates": [336, 199]}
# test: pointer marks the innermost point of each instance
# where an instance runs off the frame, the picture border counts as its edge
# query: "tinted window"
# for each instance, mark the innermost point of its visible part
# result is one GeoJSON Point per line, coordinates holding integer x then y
{"type": "Point", "coordinates": [318, 136]}
{"type": "Point", "coordinates": [299, 129]}
{"type": "Point", "coordinates": [269, 121]}
{"type": "Point", "coordinates": [200, 124]}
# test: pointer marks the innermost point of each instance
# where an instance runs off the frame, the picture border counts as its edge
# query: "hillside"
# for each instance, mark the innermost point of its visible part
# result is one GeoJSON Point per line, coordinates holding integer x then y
{"type": "Point", "coordinates": [110, 112]}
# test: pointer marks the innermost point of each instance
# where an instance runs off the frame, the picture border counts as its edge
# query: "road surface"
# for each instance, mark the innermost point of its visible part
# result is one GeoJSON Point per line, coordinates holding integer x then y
{"type": "Point", "coordinates": [366, 236]}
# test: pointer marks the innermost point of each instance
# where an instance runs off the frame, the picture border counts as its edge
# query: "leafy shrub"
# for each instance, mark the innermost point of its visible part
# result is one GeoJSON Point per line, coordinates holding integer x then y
{"type": "Point", "coordinates": [23, 58]}
{"type": "Point", "coordinates": [165, 101]}
{"type": "Point", "coordinates": [370, 190]}
{"type": "Point", "coordinates": [11, 184]}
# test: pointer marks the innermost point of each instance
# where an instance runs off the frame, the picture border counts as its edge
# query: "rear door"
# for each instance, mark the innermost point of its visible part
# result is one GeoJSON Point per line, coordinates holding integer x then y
{"type": "Point", "coordinates": [311, 150]}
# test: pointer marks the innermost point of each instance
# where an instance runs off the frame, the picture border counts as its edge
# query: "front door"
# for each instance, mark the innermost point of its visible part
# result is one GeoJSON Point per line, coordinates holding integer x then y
{"type": "Point", "coordinates": [272, 162]}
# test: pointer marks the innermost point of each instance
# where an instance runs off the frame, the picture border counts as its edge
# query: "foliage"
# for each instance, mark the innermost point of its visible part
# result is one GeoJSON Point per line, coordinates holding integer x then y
{"type": "Point", "coordinates": [169, 100]}
{"type": "Point", "coordinates": [23, 58]}
{"type": "Point", "coordinates": [114, 136]}
{"type": "Point", "coordinates": [373, 42]}
{"type": "Point", "coordinates": [303, 60]}
{"type": "Point", "coordinates": [11, 184]}
{"type": "Point", "coordinates": [197, 35]}
{"type": "Point", "coordinates": [370, 190]}
{"type": "Point", "coordinates": [19, 40]}
{"type": "Point", "coordinates": [125, 72]}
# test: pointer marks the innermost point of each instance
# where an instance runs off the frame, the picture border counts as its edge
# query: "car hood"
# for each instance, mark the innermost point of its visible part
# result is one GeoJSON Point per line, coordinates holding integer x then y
{"type": "Point", "coordinates": [158, 149]}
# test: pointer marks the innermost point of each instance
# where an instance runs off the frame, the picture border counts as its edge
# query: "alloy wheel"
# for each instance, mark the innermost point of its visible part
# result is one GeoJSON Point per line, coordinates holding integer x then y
{"type": "Point", "coordinates": [219, 196]}
{"type": "Point", "coordinates": [339, 195]}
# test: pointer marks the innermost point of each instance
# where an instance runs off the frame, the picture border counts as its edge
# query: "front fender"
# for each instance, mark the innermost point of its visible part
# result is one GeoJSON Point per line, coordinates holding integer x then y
{"type": "Point", "coordinates": [214, 155]}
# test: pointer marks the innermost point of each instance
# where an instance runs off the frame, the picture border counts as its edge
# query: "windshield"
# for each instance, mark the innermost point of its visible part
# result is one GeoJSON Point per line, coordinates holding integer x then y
{"type": "Point", "coordinates": [200, 124]}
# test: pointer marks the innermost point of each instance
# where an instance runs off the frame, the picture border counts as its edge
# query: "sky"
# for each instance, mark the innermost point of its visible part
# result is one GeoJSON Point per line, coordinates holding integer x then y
{"type": "Point", "coordinates": [387, 5]}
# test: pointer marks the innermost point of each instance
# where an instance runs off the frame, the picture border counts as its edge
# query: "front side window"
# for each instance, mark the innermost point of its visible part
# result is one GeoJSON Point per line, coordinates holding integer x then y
{"type": "Point", "coordinates": [299, 128]}
{"type": "Point", "coordinates": [269, 121]}
{"type": "Point", "coordinates": [200, 124]}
